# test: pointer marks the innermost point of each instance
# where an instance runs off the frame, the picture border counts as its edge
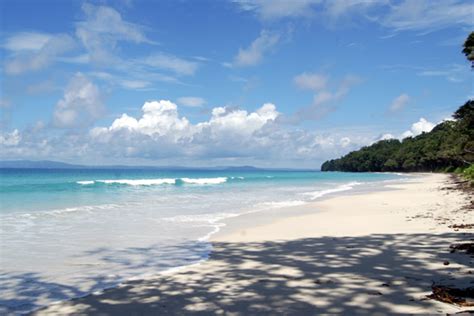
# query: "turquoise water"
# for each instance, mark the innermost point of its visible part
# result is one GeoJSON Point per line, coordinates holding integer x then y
{"type": "Point", "coordinates": [66, 233]}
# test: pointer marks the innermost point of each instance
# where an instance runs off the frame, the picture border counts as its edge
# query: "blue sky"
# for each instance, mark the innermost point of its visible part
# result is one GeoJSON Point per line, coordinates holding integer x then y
{"type": "Point", "coordinates": [267, 83]}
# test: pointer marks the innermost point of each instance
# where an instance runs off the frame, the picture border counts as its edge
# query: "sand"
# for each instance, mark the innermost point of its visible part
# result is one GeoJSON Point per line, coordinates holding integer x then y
{"type": "Point", "coordinates": [367, 253]}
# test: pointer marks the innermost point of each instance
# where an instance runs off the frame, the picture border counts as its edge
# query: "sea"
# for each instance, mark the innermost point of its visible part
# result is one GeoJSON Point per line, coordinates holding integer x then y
{"type": "Point", "coordinates": [65, 233]}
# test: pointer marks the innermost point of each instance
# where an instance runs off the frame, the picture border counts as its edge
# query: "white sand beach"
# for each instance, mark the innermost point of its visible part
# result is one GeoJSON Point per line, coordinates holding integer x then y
{"type": "Point", "coordinates": [369, 253]}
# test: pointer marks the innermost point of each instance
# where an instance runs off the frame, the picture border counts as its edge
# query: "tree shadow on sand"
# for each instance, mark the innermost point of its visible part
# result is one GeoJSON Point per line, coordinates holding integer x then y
{"type": "Point", "coordinates": [94, 270]}
{"type": "Point", "coordinates": [345, 275]}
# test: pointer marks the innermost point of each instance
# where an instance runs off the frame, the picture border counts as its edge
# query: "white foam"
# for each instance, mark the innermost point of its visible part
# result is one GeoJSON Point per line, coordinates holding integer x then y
{"type": "Point", "coordinates": [206, 218]}
{"type": "Point", "coordinates": [205, 180]}
{"type": "Point", "coordinates": [345, 187]}
{"type": "Point", "coordinates": [85, 182]}
{"type": "Point", "coordinates": [212, 219]}
{"type": "Point", "coordinates": [282, 204]}
{"type": "Point", "coordinates": [61, 211]}
{"type": "Point", "coordinates": [136, 182]}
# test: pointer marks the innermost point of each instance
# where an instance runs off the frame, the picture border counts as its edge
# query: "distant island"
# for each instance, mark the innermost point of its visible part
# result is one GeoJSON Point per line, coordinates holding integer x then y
{"type": "Point", "coordinates": [449, 147]}
{"type": "Point", "coordinates": [49, 164]}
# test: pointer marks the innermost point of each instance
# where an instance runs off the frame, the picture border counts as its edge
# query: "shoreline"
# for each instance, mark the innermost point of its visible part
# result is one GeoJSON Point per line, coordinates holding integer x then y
{"type": "Point", "coordinates": [293, 229]}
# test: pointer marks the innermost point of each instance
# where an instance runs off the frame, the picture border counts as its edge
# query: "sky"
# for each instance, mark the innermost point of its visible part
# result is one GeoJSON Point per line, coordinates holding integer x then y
{"type": "Point", "coordinates": [225, 82]}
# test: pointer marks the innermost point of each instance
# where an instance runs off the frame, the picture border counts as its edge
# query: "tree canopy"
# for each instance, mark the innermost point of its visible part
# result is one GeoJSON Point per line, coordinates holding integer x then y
{"type": "Point", "coordinates": [448, 146]}
{"type": "Point", "coordinates": [468, 48]}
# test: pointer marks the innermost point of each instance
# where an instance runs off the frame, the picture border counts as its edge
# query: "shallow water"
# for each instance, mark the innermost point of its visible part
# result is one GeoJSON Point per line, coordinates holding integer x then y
{"type": "Point", "coordinates": [66, 233]}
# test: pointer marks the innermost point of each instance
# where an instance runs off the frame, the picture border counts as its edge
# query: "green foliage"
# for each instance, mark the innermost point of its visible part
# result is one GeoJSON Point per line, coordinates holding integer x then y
{"type": "Point", "coordinates": [449, 146]}
{"type": "Point", "coordinates": [468, 173]}
{"type": "Point", "coordinates": [468, 48]}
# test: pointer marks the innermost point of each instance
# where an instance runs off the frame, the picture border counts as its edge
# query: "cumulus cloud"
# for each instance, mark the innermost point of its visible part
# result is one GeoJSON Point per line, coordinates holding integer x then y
{"type": "Point", "coordinates": [161, 119]}
{"type": "Point", "coordinates": [386, 136]}
{"type": "Point", "coordinates": [191, 101]}
{"type": "Point", "coordinates": [344, 142]}
{"type": "Point", "coordinates": [230, 134]}
{"type": "Point", "coordinates": [160, 134]}
{"type": "Point", "coordinates": [81, 104]}
{"type": "Point", "coordinates": [399, 102]}
{"type": "Point", "coordinates": [10, 139]}
{"type": "Point", "coordinates": [422, 126]}
{"type": "Point", "coordinates": [253, 54]}
{"type": "Point", "coordinates": [310, 81]}
{"type": "Point", "coordinates": [35, 51]}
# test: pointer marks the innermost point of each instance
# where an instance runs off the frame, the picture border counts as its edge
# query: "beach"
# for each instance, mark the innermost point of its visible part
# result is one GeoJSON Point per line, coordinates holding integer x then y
{"type": "Point", "coordinates": [363, 253]}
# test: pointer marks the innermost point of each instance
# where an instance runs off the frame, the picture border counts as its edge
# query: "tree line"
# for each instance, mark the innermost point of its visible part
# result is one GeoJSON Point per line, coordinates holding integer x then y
{"type": "Point", "coordinates": [447, 147]}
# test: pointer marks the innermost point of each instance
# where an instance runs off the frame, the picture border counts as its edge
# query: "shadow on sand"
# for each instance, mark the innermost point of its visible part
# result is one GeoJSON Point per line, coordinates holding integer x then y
{"type": "Point", "coordinates": [383, 274]}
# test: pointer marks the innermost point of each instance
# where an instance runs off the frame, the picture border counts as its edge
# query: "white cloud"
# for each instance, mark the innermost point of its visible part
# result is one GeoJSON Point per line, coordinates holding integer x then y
{"type": "Point", "coordinates": [161, 131]}
{"type": "Point", "coordinates": [172, 63]}
{"type": "Point", "coordinates": [130, 84]}
{"type": "Point", "coordinates": [35, 55]}
{"type": "Point", "coordinates": [419, 127]}
{"type": "Point", "coordinates": [162, 135]}
{"type": "Point", "coordinates": [453, 73]}
{"type": "Point", "coordinates": [310, 81]}
{"type": "Point", "coordinates": [229, 135]}
{"type": "Point", "coordinates": [326, 101]}
{"type": "Point", "coordinates": [10, 139]}
{"type": "Point", "coordinates": [337, 8]}
{"type": "Point", "coordinates": [399, 102]}
{"type": "Point", "coordinates": [81, 104]}
{"type": "Point", "coordinates": [344, 142]}
{"type": "Point", "coordinates": [253, 54]}
{"type": "Point", "coordinates": [405, 15]}
{"type": "Point", "coordinates": [161, 118]}
{"type": "Point", "coordinates": [134, 84]}
{"type": "Point", "coordinates": [278, 8]}
{"type": "Point", "coordinates": [428, 15]}
{"type": "Point", "coordinates": [102, 28]}
{"type": "Point", "coordinates": [386, 136]}
{"type": "Point", "coordinates": [26, 41]}
{"type": "Point", "coordinates": [191, 101]}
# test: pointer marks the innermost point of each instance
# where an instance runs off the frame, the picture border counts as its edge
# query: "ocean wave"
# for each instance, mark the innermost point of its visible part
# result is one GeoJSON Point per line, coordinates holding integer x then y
{"type": "Point", "coordinates": [136, 182]}
{"type": "Point", "coordinates": [85, 182]}
{"type": "Point", "coordinates": [161, 181]}
{"type": "Point", "coordinates": [61, 211]}
{"type": "Point", "coordinates": [218, 180]}
{"type": "Point", "coordinates": [345, 187]}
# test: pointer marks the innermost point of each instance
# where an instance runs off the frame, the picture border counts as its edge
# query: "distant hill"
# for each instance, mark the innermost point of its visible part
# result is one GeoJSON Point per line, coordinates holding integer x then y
{"type": "Point", "coordinates": [449, 146]}
{"type": "Point", "coordinates": [42, 164]}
